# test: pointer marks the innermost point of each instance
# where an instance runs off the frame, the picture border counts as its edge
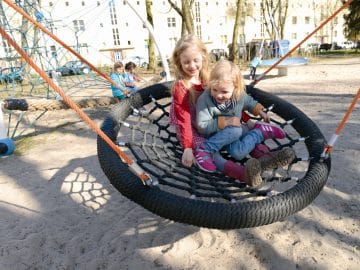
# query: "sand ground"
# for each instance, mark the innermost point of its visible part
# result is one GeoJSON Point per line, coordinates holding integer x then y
{"type": "Point", "coordinates": [59, 211]}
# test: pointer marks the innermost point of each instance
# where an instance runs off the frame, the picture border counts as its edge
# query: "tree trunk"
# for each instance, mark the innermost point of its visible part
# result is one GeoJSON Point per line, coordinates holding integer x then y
{"type": "Point", "coordinates": [187, 24]}
{"type": "Point", "coordinates": [151, 44]}
{"type": "Point", "coordinates": [234, 48]}
{"type": "Point", "coordinates": [187, 16]}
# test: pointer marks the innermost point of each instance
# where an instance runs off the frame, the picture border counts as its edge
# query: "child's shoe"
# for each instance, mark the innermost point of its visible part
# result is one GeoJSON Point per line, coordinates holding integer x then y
{"type": "Point", "coordinates": [272, 160]}
{"type": "Point", "coordinates": [279, 158]}
{"type": "Point", "coordinates": [270, 131]}
{"type": "Point", "coordinates": [204, 160]}
{"type": "Point", "coordinates": [250, 173]}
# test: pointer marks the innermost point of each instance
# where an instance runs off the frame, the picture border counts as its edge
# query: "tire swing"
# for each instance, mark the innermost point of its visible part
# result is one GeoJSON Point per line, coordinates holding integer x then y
{"type": "Point", "coordinates": [188, 195]}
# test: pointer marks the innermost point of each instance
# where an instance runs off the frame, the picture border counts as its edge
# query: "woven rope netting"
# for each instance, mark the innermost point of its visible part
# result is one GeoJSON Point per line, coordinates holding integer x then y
{"type": "Point", "coordinates": [150, 141]}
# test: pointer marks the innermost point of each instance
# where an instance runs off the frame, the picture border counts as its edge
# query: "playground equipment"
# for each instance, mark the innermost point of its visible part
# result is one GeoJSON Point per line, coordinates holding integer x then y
{"type": "Point", "coordinates": [278, 48]}
{"type": "Point", "coordinates": [141, 157]}
{"type": "Point", "coordinates": [7, 145]}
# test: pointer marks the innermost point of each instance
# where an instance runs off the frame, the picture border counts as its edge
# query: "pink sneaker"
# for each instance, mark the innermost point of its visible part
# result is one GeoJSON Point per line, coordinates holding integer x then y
{"type": "Point", "coordinates": [270, 131]}
{"type": "Point", "coordinates": [204, 160]}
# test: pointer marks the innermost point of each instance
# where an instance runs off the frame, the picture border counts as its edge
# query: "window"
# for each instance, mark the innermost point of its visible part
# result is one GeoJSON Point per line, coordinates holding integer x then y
{"type": "Point", "coordinates": [116, 36]}
{"type": "Point", "coordinates": [198, 31]}
{"type": "Point", "coordinates": [307, 20]}
{"type": "Point", "coordinates": [171, 22]}
{"type": "Point", "coordinates": [51, 26]}
{"type": "Point", "coordinates": [67, 4]}
{"type": "Point", "coordinates": [79, 25]}
{"type": "Point", "coordinates": [7, 47]}
{"type": "Point", "coordinates": [293, 36]}
{"type": "Point", "coordinates": [53, 51]}
{"type": "Point", "coordinates": [83, 3]}
{"type": "Point", "coordinates": [117, 56]}
{"type": "Point", "coordinates": [112, 13]}
{"type": "Point", "coordinates": [224, 39]}
{"type": "Point", "coordinates": [173, 41]}
{"type": "Point", "coordinates": [294, 20]}
{"type": "Point", "coordinates": [50, 4]}
{"type": "Point", "coordinates": [262, 25]}
{"type": "Point", "coordinates": [197, 12]}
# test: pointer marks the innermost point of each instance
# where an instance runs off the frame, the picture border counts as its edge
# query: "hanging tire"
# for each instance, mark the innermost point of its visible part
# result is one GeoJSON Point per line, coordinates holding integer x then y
{"type": "Point", "coordinates": [220, 215]}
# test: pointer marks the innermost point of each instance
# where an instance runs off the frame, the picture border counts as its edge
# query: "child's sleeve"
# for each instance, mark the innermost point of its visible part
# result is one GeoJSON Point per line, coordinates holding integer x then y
{"type": "Point", "coordinates": [205, 122]}
{"type": "Point", "coordinates": [252, 105]}
{"type": "Point", "coordinates": [245, 117]}
{"type": "Point", "coordinates": [181, 100]}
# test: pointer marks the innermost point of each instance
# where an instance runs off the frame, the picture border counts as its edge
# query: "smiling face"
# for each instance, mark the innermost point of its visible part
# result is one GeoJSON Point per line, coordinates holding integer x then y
{"type": "Point", "coordinates": [191, 62]}
{"type": "Point", "coordinates": [226, 82]}
{"type": "Point", "coordinates": [222, 91]}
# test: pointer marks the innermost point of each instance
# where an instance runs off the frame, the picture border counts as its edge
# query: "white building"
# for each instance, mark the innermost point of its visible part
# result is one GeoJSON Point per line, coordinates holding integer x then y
{"type": "Point", "coordinates": [106, 31]}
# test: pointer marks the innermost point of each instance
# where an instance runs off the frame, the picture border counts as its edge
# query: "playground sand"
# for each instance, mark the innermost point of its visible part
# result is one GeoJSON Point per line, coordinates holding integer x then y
{"type": "Point", "coordinates": [58, 210]}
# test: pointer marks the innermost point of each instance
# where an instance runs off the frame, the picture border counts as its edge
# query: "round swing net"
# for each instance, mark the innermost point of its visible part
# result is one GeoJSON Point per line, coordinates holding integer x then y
{"type": "Point", "coordinates": [213, 200]}
{"type": "Point", "coordinates": [189, 195]}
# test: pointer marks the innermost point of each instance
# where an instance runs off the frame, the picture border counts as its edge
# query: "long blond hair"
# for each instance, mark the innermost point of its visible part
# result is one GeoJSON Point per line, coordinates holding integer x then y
{"type": "Point", "coordinates": [227, 72]}
{"type": "Point", "coordinates": [185, 42]}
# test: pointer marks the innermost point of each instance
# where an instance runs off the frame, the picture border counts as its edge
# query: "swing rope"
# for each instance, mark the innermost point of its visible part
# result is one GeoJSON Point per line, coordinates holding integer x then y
{"type": "Point", "coordinates": [132, 165]}
{"type": "Point", "coordinates": [260, 77]}
{"type": "Point", "coordinates": [329, 147]}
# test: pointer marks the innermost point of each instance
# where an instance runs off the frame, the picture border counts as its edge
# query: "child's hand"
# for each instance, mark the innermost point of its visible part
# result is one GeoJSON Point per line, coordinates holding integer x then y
{"type": "Point", "coordinates": [265, 116]}
{"type": "Point", "coordinates": [187, 158]}
{"type": "Point", "coordinates": [233, 121]}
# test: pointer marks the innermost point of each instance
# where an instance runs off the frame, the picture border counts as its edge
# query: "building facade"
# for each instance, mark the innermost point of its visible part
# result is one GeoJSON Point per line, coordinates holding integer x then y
{"type": "Point", "coordinates": [107, 31]}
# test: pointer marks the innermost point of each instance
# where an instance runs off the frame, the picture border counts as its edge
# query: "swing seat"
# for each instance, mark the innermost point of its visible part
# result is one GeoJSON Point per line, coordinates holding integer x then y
{"type": "Point", "coordinates": [287, 62]}
{"type": "Point", "coordinates": [191, 196]}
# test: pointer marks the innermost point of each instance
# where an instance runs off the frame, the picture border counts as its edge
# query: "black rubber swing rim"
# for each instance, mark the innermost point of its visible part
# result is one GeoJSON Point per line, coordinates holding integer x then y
{"type": "Point", "coordinates": [217, 215]}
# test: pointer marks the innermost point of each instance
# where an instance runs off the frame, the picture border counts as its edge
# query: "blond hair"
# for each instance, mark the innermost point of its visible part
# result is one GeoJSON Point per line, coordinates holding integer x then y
{"type": "Point", "coordinates": [118, 65]}
{"type": "Point", "coordinates": [185, 42]}
{"type": "Point", "coordinates": [228, 72]}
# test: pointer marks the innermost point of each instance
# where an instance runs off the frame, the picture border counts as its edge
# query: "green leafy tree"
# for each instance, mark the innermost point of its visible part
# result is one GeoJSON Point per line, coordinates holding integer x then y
{"type": "Point", "coordinates": [352, 21]}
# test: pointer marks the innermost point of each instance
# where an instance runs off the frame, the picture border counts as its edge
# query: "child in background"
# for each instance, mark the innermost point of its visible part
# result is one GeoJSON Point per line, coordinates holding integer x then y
{"type": "Point", "coordinates": [119, 91]}
{"type": "Point", "coordinates": [190, 58]}
{"type": "Point", "coordinates": [218, 117]}
{"type": "Point", "coordinates": [254, 63]}
{"type": "Point", "coordinates": [130, 78]}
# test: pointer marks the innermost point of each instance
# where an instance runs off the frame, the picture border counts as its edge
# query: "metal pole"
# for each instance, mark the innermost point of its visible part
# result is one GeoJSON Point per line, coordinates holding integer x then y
{"type": "Point", "coordinates": [151, 31]}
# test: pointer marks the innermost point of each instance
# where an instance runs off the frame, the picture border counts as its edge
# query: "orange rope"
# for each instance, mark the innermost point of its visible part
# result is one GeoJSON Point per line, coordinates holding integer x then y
{"type": "Point", "coordinates": [329, 147]}
{"type": "Point", "coordinates": [72, 105]}
{"type": "Point", "coordinates": [349, 111]}
{"type": "Point", "coordinates": [19, 10]}
{"type": "Point", "coordinates": [302, 41]}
